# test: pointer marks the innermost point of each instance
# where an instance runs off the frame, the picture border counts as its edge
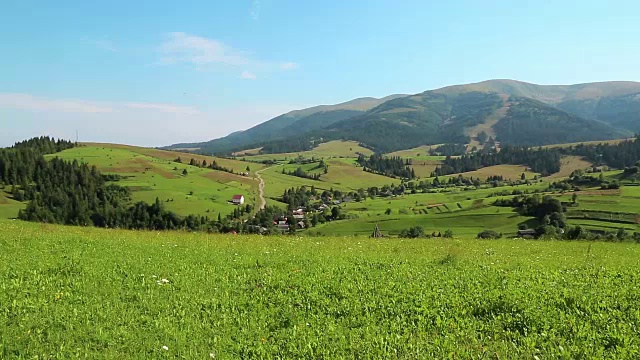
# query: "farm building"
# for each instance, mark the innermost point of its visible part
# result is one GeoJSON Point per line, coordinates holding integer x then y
{"type": "Point", "coordinates": [527, 232]}
{"type": "Point", "coordinates": [238, 199]}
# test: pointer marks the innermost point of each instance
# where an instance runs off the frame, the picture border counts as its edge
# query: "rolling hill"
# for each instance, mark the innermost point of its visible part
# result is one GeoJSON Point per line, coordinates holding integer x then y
{"type": "Point", "coordinates": [512, 112]}
{"type": "Point", "coordinates": [290, 124]}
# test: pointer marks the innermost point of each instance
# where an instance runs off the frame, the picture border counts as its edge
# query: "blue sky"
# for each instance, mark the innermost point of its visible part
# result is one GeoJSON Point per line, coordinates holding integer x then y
{"type": "Point", "coordinates": [159, 72]}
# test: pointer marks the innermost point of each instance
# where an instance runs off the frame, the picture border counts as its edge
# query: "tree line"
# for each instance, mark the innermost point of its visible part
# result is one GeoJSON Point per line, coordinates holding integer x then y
{"type": "Point", "coordinates": [543, 161]}
{"type": "Point", "coordinates": [388, 166]}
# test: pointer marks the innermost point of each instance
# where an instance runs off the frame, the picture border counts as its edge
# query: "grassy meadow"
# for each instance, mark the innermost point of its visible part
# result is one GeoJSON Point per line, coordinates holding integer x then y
{"type": "Point", "coordinates": [201, 191]}
{"type": "Point", "coordinates": [72, 292]}
{"type": "Point", "coordinates": [331, 149]}
{"type": "Point", "coordinates": [9, 208]}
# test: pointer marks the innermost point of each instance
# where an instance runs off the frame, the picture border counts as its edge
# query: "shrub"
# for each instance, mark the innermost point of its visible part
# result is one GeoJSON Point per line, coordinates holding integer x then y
{"type": "Point", "coordinates": [412, 232]}
{"type": "Point", "coordinates": [489, 234]}
{"type": "Point", "coordinates": [448, 234]}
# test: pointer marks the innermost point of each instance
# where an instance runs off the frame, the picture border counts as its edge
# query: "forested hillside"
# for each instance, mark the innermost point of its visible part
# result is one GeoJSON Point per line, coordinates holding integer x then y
{"type": "Point", "coordinates": [531, 122]}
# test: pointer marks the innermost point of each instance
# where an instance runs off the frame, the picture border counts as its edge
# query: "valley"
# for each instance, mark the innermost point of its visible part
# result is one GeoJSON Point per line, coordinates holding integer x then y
{"type": "Point", "coordinates": [182, 183]}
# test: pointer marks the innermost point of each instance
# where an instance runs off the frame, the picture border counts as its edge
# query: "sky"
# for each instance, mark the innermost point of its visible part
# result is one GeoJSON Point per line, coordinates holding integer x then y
{"type": "Point", "coordinates": [154, 73]}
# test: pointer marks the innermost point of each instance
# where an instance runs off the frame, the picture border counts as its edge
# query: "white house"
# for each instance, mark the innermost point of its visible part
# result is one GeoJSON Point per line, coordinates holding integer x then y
{"type": "Point", "coordinates": [238, 199]}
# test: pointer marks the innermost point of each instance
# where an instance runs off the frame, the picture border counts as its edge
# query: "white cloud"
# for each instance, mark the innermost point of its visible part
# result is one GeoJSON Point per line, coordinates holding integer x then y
{"type": "Point", "coordinates": [146, 124]}
{"type": "Point", "coordinates": [41, 104]}
{"type": "Point", "coordinates": [248, 75]}
{"type": "Point", "coordinates": [289, 66]}
{"type": "Point", "coordinates": [255, 9]}
{"type": "Point", "coordinates": [34, 103]}
{"type": "Point", "coordinates": [203, 53]}
{"type": "Point", "coordinates": [182, 47]}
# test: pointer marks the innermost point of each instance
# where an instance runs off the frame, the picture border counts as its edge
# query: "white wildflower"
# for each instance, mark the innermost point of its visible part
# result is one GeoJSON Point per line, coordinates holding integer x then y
{"type": "Point", "coordinates": [165, 347]}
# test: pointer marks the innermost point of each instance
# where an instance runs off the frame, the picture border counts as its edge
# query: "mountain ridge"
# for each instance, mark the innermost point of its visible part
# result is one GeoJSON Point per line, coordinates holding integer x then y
{"type": "Point", "coordinates": [606, 109]}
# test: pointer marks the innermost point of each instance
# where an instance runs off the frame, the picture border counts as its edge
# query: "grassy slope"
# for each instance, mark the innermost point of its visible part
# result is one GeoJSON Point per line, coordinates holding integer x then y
{"type": "Point", "coordinates": [611, 142]}
{"type": "Point", "coordinates": [343, 175]}
{"type": "Point", "coordinates": [235, 165]}
{"type": "Point", "coordinates": [336, 148]}
{"type": "Point", "coordinates": [569, 164]}
{"type": "Point", "coordinates": [160, 177]}
{"type": "Point", "coordinates": [91, 293]}
{"type": "Point", "coordinates": [9, 208]}
{"type": "Point", "coordinates": [510, 172]}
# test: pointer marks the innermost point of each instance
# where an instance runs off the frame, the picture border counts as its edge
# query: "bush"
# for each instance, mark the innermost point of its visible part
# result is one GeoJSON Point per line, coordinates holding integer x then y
{"type": "Point", "coordinates": [489, 234]}
{"type": "Point", "coordinates": [412, 232]}
{"type": "Point", "coordinates": [448, 234]}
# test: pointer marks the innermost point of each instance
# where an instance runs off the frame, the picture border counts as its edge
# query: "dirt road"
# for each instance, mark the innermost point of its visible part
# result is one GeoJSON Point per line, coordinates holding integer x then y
{"type": "Point", "coordinates": [263, 201]}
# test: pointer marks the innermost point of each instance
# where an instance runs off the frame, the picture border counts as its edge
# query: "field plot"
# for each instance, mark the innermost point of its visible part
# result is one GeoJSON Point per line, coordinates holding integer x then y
{"type": "Point", "coordinates": [92, 293]}
{"type": "Point", "coordinates": [419, 153]}
{"type": "Point", "coordinates": [606, 208]}
{"type": "Point", "coordinates": [569, 164]}
{"type": "Point", "coordinates": [439, 218]}
{"type": "Point", "coordinates": [508, 172]}
{"type": "Point", "coordinates": [201, 191]}
{"type": "Point", "coordinates": [424, 168]}
{"type": "Point", "coordinates": [331, 149]}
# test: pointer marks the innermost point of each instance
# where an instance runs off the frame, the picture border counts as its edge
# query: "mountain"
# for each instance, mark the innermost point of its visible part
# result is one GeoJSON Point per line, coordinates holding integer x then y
{"type": "Point", "coordinates": [510, 111]}
{"type": "Point", "coordinates": [426, 118]}
{"type": "Point", "coordinates": [614, 102]}
{"type": "Point", "coordinates": [293, 123]}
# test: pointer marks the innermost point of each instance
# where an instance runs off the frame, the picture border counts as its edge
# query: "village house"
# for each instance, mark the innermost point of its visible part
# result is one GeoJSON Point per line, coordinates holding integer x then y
{"type": "Point", "coordinates": [283, 225]}
{"type": "Point", "coordinates": [237, 199]}
{"type": "Point", "coordinates": [527, 233]}
{"type": "Point", "coordinates": [298, 214]}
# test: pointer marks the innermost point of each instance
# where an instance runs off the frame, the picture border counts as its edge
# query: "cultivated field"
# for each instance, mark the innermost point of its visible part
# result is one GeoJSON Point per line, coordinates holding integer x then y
{"type": "Point", "coordinates": [463, 212]}
{"type": "Point", "coordinates": [508, 172]}
{"type": "Point", "coordinates": [569, 164]}
{"type": "Point", "coordinates": [92, 293]}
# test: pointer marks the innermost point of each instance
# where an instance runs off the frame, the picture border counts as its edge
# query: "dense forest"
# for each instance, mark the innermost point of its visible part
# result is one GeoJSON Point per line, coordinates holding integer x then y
{"type": "Point", "coordinates": [387, 166]}
{"type": "Point", "coordinates": [624, 154]}
{"type": "Point", "coordinates": [532, 123]}
{"type": "Point", "coordinates": [543, 161]}
{"type": "Point", "coordinates": [449, 150]}
{"type": "Point", "coordinates": [71, 193]}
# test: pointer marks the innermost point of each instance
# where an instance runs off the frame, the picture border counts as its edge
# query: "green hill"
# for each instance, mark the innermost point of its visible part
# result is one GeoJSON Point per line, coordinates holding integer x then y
{"type": "Point", "coordinates": [531, 122]}
{"type": "Point", "coordinates": [287, 125]}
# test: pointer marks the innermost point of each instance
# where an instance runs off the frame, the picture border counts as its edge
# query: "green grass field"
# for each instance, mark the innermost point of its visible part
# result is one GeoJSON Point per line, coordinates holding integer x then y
{"type": "Point", "coordinates": [331, 149]}
{"type": "Point", "coordinates": [202, 191]}
{"type": "Point", "coordinates": [343, 175]}
{"type": "Point", "coordinates": [92, 293]}
{"type": "Point", "coordinates": [465, 212]}
{"type": "Point", "coordinates": [9, 208]}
